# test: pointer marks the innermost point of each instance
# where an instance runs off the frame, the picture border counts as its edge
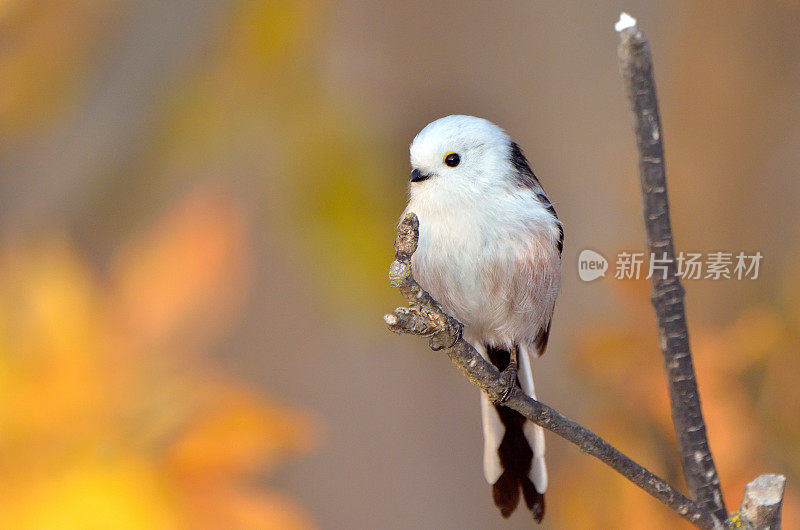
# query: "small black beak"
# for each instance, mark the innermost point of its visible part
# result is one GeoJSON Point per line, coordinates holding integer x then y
{"type": "Point", "coordinates": [416, 176]}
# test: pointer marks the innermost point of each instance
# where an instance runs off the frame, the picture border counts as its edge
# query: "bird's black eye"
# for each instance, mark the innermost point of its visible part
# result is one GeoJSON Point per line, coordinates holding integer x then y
{"type": "Point", "coordinates": [452, 159]}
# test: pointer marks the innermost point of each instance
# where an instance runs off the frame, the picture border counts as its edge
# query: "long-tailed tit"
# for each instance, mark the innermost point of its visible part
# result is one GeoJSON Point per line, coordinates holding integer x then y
{"type": "Point", "coordinates": [490, 252]}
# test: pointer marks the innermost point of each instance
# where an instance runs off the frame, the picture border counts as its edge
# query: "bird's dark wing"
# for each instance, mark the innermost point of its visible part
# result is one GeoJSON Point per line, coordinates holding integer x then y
{"type": "Point", "coordinates": [526, 178]}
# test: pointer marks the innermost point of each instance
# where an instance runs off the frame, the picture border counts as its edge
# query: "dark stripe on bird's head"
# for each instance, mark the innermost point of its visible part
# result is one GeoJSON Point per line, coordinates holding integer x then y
{"type": "Point", "coordinates": [560, 243]}
{"type": "Point", "coordinates": [523, 172]}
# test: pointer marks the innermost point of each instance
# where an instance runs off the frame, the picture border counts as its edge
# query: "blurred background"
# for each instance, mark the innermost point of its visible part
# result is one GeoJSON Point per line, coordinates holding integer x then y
{"type": "Point", "coordinates": [197, 210]}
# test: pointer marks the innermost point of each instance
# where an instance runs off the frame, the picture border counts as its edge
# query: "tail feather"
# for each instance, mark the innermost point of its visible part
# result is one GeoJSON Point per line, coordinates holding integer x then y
{"type": "Point", "coordinates": [519, 459]}
{"type": "Point", "coordinates": [534, 433]}
{"type": "Point", "coordinates": [505, 493]}
{"type": "Point", "coordinates": [492, 436]}
{"type": "Point", "coordinates": [533, 500]}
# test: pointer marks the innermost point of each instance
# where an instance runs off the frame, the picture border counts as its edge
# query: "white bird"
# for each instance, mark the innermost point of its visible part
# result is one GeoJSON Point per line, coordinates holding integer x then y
{"type": "Point", "coordinates": [490, 252]}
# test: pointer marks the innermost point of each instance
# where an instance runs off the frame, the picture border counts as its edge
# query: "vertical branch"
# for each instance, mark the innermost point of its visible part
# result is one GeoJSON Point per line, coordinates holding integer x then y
{"type": "Point", "coordinates": [667, 294]}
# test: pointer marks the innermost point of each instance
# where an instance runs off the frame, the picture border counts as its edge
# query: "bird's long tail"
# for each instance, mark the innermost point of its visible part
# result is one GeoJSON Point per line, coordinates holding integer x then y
{"type": "Point", "coordinates": [513, 459]}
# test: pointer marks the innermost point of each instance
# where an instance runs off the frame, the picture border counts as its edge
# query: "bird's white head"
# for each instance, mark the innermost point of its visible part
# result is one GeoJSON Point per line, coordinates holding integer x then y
{"type": "Point", "coordinates": [460, 154]}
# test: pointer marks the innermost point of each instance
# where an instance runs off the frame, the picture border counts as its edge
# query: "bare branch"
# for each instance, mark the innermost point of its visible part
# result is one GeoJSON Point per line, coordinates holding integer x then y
{"type": "Point", "coordinates": [425, 317]}
{"type": "Point", "coordinates": [761, 505]}
{"type": "Point", "coordinates": [667, 295]}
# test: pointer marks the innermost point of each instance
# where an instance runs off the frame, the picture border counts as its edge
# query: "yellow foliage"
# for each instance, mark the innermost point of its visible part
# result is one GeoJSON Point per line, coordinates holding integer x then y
{"type": "Point", "coordinates": [189, 270]}
{"type": "Point", "coordinates": [95, 493]}
{"type": "Point", "coordinates": [747, 384]}
{"type": "Point", "coordinates": [110, 418]}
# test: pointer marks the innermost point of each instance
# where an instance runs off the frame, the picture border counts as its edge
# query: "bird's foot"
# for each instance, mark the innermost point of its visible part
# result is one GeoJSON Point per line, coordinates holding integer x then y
{"type": "Point", "coordinates": [509, 379]}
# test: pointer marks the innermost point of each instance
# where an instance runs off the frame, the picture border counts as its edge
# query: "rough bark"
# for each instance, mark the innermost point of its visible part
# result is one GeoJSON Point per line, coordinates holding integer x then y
{"type": "Point", "coordinates": [667, 294]}
{"type": "Point", "coordinates": [761, 505]}
{"type": "Point", "coordinates": [425, 317]}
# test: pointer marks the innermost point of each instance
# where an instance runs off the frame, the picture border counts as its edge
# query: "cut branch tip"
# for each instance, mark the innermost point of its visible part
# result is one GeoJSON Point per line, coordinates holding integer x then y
{"type": "Point", "coordinates": [625, 22]}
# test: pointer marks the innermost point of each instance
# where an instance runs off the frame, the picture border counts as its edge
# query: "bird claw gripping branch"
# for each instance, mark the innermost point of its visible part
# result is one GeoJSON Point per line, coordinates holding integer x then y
{"type": "Point", "coordinates": [424, 317]}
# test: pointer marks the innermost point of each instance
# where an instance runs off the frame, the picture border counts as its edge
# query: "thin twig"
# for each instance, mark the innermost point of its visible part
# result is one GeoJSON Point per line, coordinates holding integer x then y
{"type": "Point", "coordinates": [667, 295]}
{"type": "Point", "coordinates": [425, 317]}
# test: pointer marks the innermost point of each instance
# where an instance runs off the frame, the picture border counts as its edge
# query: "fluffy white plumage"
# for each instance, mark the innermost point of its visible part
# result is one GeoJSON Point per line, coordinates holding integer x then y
{"type": "Point", "coordinates": [489, 252]}
{"type": "Point", "coordinates": [487, 246]}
